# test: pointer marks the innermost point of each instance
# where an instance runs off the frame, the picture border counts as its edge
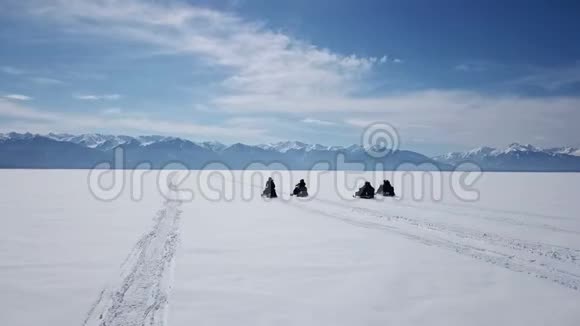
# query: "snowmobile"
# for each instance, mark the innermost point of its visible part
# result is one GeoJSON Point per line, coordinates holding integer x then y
{"type": "Point", "coordinates": [300, 192]}
{"type": "Point", "coordinates": [386, 189]}
{"type": "Point", "coordinates": [270, 191]}
{"type": "Point", "coordinates": [300, 189]}
{"type": "Point", "coordinates": [366, 192]}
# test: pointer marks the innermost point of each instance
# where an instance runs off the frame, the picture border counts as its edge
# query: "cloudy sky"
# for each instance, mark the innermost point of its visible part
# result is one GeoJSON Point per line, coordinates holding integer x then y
{"type": "Point", "coordinates": [448, 75]}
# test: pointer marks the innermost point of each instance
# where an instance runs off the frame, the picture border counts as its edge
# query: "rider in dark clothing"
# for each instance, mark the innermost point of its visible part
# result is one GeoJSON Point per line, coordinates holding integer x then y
{"type": "Point", "coordinates": [270, 191]}
{"type": "Point", "coordinates": [386, 189]}
{"type": "Point", "coordinates": [300, 189]}
{"type": "Point", "coordinates": [367, 191]}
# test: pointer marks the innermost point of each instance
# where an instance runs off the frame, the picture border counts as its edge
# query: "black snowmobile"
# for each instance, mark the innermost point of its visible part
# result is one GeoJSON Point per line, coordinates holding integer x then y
{"type": "Point", "coordinates": [386, 189]}
{"type": "Point", "coordinates": [270, 191]}
{"type": "Point", "coordinates": [366, 191]}
{"type": "Point", "coordinates": [300, 189]}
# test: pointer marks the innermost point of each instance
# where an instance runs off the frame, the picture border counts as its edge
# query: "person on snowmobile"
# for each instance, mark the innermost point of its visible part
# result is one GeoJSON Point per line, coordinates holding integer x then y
{"type": "Point", "coordinates": [386, 189]}
{"type": "Point", "coordinates": [270, 191]}
{"type": "Point", "coordinates": [300, 189]}
{"type": "Point", "coordinates": [366, 191]}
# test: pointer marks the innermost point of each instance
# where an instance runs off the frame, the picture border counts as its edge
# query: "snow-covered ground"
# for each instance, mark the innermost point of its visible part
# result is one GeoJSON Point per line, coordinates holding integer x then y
{"type": "Point", "coordinates": [511, 257]}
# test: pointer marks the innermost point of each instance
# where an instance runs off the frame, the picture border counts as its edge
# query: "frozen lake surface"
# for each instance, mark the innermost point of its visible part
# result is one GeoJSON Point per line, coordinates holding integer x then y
{"type": "Point", "coordinates": [510, 257]}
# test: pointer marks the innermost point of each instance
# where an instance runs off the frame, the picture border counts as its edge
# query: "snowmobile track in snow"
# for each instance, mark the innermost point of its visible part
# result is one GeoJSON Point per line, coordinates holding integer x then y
{"type": "Point", "coordinates": [139, 296]}
{"type": "Point", "coordinates": [509, 217]}
{"type": "Point", "coordinates": [555, 263]}
{"type": "Point", "coordinates": [560, 253]}
{"type": "Point", "coordinates": [502, 216]}
{"type": "Point", "coordinates": [558, 264]}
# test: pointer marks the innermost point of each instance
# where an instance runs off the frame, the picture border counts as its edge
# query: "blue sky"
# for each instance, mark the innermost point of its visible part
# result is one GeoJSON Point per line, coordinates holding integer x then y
{"type": "Point", "coordinates": [448, 75]}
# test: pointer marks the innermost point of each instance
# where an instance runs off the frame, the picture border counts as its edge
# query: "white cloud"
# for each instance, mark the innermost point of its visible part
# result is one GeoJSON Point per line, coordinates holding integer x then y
{"type": "Point", "coordinates": [17, 111]}
{"type": "Point", "coordinates": [46, 81]}
{"type": "Point", "coordinates": [476, 66]}
{"type": "Point", "coordinates": [269, 71]}
{"type": "Point", "coordinates": [18, 97]}
{"type": "Point", "coordinates": [385, 59]}
{"type": "Point", "coordinates": [467, 118]}
{"type": "Point", "coordinates": [88, 97]}
{"type": "Point", "coordinates": [275, 128]}
{"type": "Point", "coordinates": [11, 70]}
{"type": "Point", "coordinates": [261, 61]}
{"type": "Point", "coordinates": [61, 122]}
{"type": "Point", "coordinates": [360, 123]}
{"type": "Point", "coordinates": [29, 75]}
{"type": "Point", "coordinates": [318, 122]}
{"type": "Point", "coordinates": [111, 111]}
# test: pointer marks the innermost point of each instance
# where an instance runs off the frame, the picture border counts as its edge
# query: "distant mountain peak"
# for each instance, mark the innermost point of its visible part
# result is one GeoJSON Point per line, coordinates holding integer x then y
{"type": "Point", "coordinates": [284, 146]}
{"type": "Point", "coordinates": [567, 150]}
{"type": "Point", "coordinates": [522, 148]}
{"type": "Point", "coordinates": [517, 157]}
{"type": "Point", "coordinates": [481, 150]}
{"type": "Point", "coordinates": [212, 146]}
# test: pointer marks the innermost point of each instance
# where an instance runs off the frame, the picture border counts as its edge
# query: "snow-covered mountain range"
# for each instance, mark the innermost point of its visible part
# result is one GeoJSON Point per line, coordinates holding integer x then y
{"type": "Point", "coordinates": [86, 150]}
{"type": "Point", "coordinates": [105, 142]}
{"type": "Point", "coordinates": [28, 150]}
{"type": "Point", "coordinates": [517, 157]}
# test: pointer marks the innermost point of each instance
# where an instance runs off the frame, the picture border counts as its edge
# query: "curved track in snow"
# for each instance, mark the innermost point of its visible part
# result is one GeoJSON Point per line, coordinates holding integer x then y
{"type": "Point", "coordinates": [139, 296]}
{"type": "Point", "coordinates": [546, 261]}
